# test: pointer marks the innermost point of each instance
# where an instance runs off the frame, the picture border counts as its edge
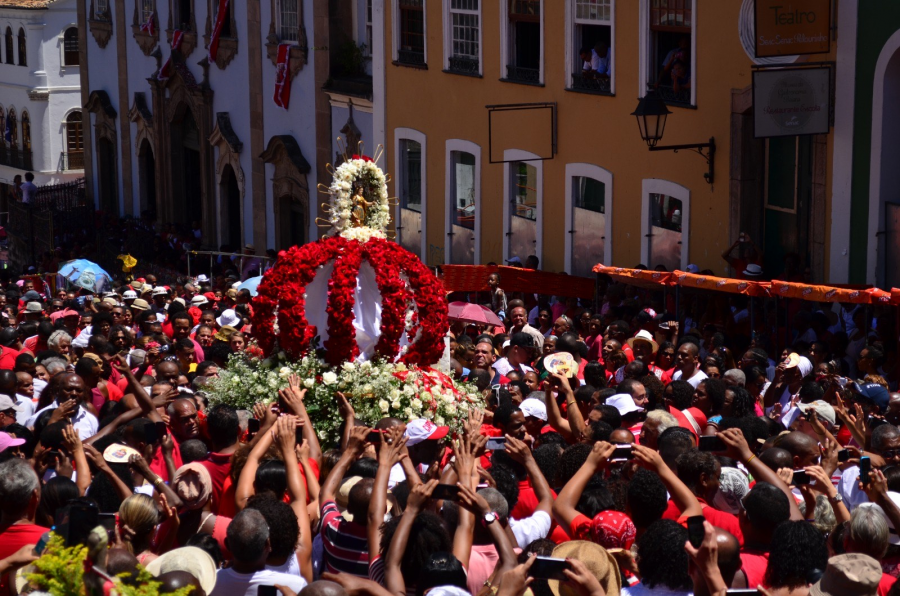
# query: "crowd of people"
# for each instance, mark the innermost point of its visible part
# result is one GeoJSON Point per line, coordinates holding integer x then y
{"type": "Point", "coordinates": [681, 455]}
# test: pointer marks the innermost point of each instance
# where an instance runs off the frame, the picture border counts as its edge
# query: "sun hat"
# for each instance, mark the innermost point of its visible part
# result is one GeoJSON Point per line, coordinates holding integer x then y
{"type": "Point", "coordinates": [111, 301]}
{"type": "Point", "coordinates": [198, 300]}
{"type": "Point", "coordinates": [852, 574]}
{"type": "Point", "coordinates": [140, 304]}
{"type": "Point", "coordinates": [342, 498]}
{"type": "Point", "coordinates": [189, 559]}
{"type": "Point", "coordinates": [613, 529]}
{"type": "Point", "coordinates": [597, 560]}
{"type": "Point", "coordinates": [202, 278]}
{"type": "Point", "coordinates": [643, 335]}
{"type": "Point", "coordinates": [420, 429]}
{"type": "Point", "coordinates": [624, 403]}
{"type": "Point", "coordinates": [129, 295]}
{"type": "Point", "coordinates": [193, 485]}
{"type": "Point", "coordinates": [160, 291]}
{"type": "Point", "coordinates": [228, 318]}
{"type": "Point", "coordinates": [534, 407]}
{"type": "Point", "coordinates": [225, 333]}
{"type": "Point", "coordinates": [7, 441]}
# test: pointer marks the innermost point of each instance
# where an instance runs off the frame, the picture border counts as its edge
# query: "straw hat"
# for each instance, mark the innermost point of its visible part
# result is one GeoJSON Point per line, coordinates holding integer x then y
{"type": "Point", "coordinates": [596, 559]}
{"type": "Point", "coordinates": [189, 559]}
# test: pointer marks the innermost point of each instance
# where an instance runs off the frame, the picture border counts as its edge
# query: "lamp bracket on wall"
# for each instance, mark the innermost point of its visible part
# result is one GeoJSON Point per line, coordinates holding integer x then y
{"type": "Point", "coordinates": [709, 155]}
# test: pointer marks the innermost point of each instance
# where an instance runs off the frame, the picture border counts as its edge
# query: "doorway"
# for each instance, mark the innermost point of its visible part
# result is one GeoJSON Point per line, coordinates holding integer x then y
{"type": "Point", "coordinates": [109, 201]}
{"type": "Point", "coordinates": [230, 197]}
{"type": "Point", "coordinates": [147, 173]}
{"type": "Point", "coordinates": [292, 226]}
{"type": "Point", "coordinates": [788, 196]}
{"type": "Point", "coordinates": [187, 187]}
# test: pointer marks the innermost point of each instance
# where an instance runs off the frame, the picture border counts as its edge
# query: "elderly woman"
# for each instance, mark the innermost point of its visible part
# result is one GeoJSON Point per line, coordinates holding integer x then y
{"type": "Point", "coordinates": [60, 342]}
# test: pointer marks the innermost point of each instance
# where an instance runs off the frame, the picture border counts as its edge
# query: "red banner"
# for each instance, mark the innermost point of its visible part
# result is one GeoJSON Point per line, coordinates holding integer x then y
{"type": "Point", "coordinates": [149, 26]}
{"type": "Point", "coordinates": [283, 76]}
{"type": "Point", "coordinates": [637, 277]}
{"type": "Point", "coordinates": [473, 278]}
{"type": "Point", "coordinates": [166, 71]}
{"type": "Point", "coordinates": [221, 15]}
{"type": "Point", "coordinates": [722, 284]}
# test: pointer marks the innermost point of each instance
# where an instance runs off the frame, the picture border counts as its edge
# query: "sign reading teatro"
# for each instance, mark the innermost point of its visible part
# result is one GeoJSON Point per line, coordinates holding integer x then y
{"type": "Point", "coordinates": [791, 101]}
{"type": "Point", "coordinates": [789, 27]}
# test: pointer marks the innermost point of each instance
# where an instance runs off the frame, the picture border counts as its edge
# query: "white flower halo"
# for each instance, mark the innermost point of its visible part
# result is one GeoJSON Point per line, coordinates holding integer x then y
{"type": "Point", "coordinates": [378, 217]}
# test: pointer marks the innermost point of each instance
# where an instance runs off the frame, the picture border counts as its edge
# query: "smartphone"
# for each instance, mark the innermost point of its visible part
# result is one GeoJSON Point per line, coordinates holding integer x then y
{"type": "Point", "coordinates": [496, 444]}
{"type": "Point", "coordinates": [744, 592]}
{"type": "Point", "coordinates": [161, 429]}
{"type": "Point", "coordinates": [549, 568]}
{"type": "Point", "coordinates": [374, 436]}
{"type": "Point", "coordinates": [622, 453]}
{"type": "Point", "coordinates": [266, 591]}
{"type": "Point", "coordinates": [108, 521]}
{"type": "Point", "coordinates": [151, 436]}
{"type": "Point", "coordinates": [446, 492]}
{"type": "Point", "coordinates": [75, 522]}
{"type": "Point", "coordinates": [872, 422]}
{"type": "Point", "coordinates": [696, 531]}
{"type": "Point", "coordinates": [712, 443]}
{"type": "Point", "coordinates": [865, 466]}
{"type": "Point", "coordinates": [843, 456]}
{"type": "Point", "coordinates": [252, 426]}
{"type": "Point", "coordinates": [800, 477]}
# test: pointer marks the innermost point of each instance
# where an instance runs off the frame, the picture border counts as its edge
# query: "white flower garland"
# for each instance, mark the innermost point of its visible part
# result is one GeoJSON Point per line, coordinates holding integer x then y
{"type": "Point", "coordinates": [378, 217]}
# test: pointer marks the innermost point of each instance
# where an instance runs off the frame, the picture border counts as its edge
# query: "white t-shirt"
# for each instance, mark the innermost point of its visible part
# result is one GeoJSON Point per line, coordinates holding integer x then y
{"type": "Point", "coordinates": [529, 529]}
{"type": "Point", "coordinates": [24, 402]}
{"type": "Point", "coordinates": [290, 567]}
{"type": "Point", "coordinates": [698, 377]}
{"type": "Point", "coordinates": [503, 366]}
{"type": "Point", "coordinates": [84, 422]}
{"type": "Point", "coordinates": [231, 583]}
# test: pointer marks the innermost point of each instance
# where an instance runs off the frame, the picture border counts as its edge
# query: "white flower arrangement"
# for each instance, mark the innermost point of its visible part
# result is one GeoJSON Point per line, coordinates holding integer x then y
{"type": "Point", "coordinates": [378, 216]}
{"type": "Point", "coordinates": [376, 389]}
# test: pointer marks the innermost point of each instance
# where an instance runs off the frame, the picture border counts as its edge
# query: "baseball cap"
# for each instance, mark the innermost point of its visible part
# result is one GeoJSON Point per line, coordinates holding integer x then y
{"type": "Point", "coordinates": [875, 393]}
{"type": "Point", "coordinates": [534, 407]}
{"type": "Point", "coordinates": [521, 340]}
{"type": "Point", "coordinates": [514, 261]}
{"type": "Point", "coordinates": [692, 268]}
{"type": "Point", "coordinates": [823, 409]}
{"type": "Point", "coordinates": [624, 403]}
{"type": "Point", "coordinates": [129, 295]}
{"type": "Point", "coordinates": [420, 429]}
{"type": "Point", "coordinates": [7, 441]}
{"type": "Point", "coordinates": [31, 296]}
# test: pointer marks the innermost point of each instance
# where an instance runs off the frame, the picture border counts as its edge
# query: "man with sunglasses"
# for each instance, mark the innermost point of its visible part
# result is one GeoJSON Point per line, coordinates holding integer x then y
{"type": "Point", "coordinates": [884, 452]}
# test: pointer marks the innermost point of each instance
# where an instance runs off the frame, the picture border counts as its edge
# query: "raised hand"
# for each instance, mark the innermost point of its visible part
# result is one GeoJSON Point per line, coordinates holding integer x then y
{"type": "Point", "coordinates": [472, 501]}
{"type": "Point", "coordinates": [71, 441]}
{"type": "Point", "coordinates": [420, 495]}
{"type": "Point", "coordinates": [357, 441]}
{"type": "Point", "coordinates": [581, 580]}
{"type": "Point", "coordinates": [344, 407]}
{"type": "Point", "coordinates": [392, 443]}
{"type": "Point", "coordinates": [600, 454]}
{"type": "Point", "coordinates": [518, 450]}
{"type": "Point", "coordinates": [285, 434]}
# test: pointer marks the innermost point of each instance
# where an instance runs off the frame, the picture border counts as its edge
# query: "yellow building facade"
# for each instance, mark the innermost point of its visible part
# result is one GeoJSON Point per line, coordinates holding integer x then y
{"type": "Point", "coordinates": [600, 196]}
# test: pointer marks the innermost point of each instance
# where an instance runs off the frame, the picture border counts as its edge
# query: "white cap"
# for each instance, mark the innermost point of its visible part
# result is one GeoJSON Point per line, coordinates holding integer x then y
{"type": "Point", "coordinates": [420, 429]}
{"type": "Point", "coordinates": [534, 407]}
{"type": "Point", "coordinates": [624, 403]}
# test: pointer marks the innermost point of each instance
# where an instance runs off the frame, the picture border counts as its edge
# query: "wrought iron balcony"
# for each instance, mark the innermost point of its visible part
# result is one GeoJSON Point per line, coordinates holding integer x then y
{"type": "Point", "coordinates": [588, 84]}
{"type": "Point", "coordinates": [73, 160]}
{"type": "Point", "coordinates": [411, 57]}
{"type": "Point", "coordinates": [670, 96]}
{"type": "Point", "coordinates": [16, 158]}
{"type": "Point", "coordinates": [520, 74]}
{"type": "Point", "coordinates": [464, 65]}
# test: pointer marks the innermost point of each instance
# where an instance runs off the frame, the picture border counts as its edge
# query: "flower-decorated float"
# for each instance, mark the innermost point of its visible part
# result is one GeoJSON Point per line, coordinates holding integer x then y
{"type": "Point", "coordinates": [352, 312]}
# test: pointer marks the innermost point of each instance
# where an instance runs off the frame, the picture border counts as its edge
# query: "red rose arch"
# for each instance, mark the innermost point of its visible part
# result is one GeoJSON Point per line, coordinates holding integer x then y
{"type": "Point", "coordinates": [402, 279]}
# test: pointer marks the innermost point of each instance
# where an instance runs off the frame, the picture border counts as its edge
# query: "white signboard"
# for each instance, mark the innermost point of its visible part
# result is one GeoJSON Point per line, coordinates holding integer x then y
{"type": "Point", "coordinates": [791, 101]}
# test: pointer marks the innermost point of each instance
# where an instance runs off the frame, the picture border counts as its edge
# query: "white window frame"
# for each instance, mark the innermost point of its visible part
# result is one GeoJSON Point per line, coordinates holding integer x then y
{"type": "Point", "coordinates": [62, 46]}
{"type": "Point", "coordinates": [658, 186]}
{"type": "Point", "coordinates": [474, 149]}
{"type": "Point", "coordinates": [395, 30]}
{"type": "Point", "coordinates": [448, 34]}
{"type": "Point", "coordinates": [411, 134]}
{"type": "Point", "coordinates": [504, 40]}
{"type": "Point", "coordinates": [571, 23]}
{"type": "Point", "coordinates": [588, 170]}
{"type": "Point", "coordinates": [279, 24]}
{"type": "Point", "coordinates": [644, 39]}
{"type": "Point", "coordinates": [510, 155]}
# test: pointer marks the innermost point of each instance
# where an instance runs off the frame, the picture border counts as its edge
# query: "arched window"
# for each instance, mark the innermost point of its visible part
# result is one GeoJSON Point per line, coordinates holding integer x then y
{"type": "Point", "coordinates": [70, 47]}
{"type": "Point", "coordinates": [10, 59]}
{"type": "Point", "coordinates": [11, 132]}
{"type": "Point", "coordinates": [74, 147]}
{"type": "Point", "coordinates": [26, 131]}
{"type": "Point", "coordinates": [23, 53]}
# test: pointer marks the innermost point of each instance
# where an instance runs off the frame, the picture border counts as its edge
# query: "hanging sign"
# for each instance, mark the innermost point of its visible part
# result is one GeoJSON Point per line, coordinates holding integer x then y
{"type": "Point", "coordinates": [790, 27]}
{"type": "Point", "coordinates": [791, 101]}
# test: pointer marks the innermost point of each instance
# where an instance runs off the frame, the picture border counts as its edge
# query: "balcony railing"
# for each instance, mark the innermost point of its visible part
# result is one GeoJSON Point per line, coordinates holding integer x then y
{"type": "Point", "coordinates": [464, 65]}
{"type": "Point", "coordinates": [16, 158]}
{"type": "Point", "coordinates": [411, 57]}
{"type": "Point", "coordinates": [73, 160]}
{"type": "Point", "coordinates": [588, 84]}
{"type": "Point", "coordinates": [670, 96]}
{"type": "Point", "coordinates": [520, 74]}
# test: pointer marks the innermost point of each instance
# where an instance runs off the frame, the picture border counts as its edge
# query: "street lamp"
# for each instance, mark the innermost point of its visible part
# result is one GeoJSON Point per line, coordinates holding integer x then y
{"type": "Point", "coordinates": [651, 113]}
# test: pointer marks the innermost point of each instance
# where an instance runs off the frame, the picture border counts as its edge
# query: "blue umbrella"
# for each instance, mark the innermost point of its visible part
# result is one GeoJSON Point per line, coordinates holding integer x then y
{"type": "Point", "coordinates": [251, 284]}
{"type": "Point", "coordinates": [85, 274]}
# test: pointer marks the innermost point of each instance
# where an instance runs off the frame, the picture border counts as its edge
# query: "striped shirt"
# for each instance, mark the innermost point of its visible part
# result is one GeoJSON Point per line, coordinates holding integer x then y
{"type": "Point", "coordinates": [346, 543]}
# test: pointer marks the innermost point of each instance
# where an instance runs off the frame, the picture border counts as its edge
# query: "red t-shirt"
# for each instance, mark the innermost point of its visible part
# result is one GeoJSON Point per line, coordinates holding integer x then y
{"type": "Point", "coordinates": [527, 502]}
{"type": "Point", "coordinates": [14, 538]}
{"type": "Point", "coordinates": [885, 584]}
{"type": "Point", "coordinates": [218, 466]}
{"type": "Point", "coordinates": [227, 505]}
{"type": "Point", "coordinates": [717, 517]}
{"type": "Point", "coordinates": [8, 358]}
{"type": "Point", "coordinates": [754, 563]}
{"type": "Point", "coordinates": [158, 465]}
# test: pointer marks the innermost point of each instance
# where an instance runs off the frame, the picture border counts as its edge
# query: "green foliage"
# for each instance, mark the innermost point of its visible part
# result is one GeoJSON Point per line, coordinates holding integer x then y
{"type": "Point", "coordinates": [351, 58]}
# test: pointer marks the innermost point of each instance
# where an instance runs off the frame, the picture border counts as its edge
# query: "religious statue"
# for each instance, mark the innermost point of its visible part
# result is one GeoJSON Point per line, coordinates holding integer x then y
{"type": "Point", "coordinates": [360, 207]}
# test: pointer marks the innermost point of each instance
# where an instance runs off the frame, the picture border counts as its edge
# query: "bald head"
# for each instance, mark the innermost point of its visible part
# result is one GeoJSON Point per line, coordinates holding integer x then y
{"type": "Point", "coordinates": [323, 588]}
{"type": "Point", "coordinates": [729, 554]}
{"type": "Point", "coordinates": [175, 580]}
{"type": "Point", "coordinates": [803, 449]}
{"type": "Point", "coordinates": [776, 458]}
{"type": "Point", "coordinates": [8, 383]}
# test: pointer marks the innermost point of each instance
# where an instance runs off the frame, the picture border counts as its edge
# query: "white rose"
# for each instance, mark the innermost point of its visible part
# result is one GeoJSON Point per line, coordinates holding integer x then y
{"type": "Point", "coordinates": [395, 393]}
{"type": "Point", "coordinates": [348, 366]}
{"type": "Point", "coordinates": [408, 413]}
{"type": "Point", "coordinates": [329, 378]}
{"type": "Point", "coordinates": [395, 404]}
{"type": "Point", "coordinates": [366, 365]}
{"type": "Point", "coordinates": [416, 404]}
{"type": "Point", "coordinates": [384, 406]}
{"type": "Point", "coordinates": [309, 383]}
